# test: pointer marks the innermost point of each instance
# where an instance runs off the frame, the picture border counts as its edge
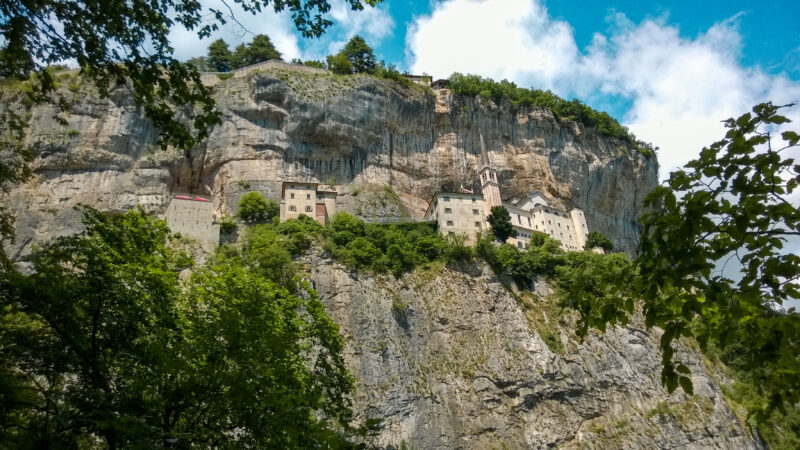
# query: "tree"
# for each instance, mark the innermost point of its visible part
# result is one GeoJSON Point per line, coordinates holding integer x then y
{"type": "Point", "coordinates": [219, 57]}
{"type": "Point", "coordinates": [728, 208]}
{"type": "Point", "coordinates": [261, 49]}
{"type": "Point", "coordinates": [360, 55]}
{"type": "Point", "coordinates": [500, 220]}
{"type": "Point", "coordinates": [199, 62]}
{"type": "Point", "coordinates": [254, 208]}
{"type": "Point", "coordinates": [101, 346]}
{"type": "Point", "coordinates": [339, 64]}
{"type": "Point", "coordinates": [239, 57]}
{"type": "Point", "coordinates": [598, 239]}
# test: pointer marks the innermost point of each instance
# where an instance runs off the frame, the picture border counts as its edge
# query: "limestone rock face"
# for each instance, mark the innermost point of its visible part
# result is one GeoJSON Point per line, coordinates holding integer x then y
{"type": "Point", "coordinates": [449, 359]}
{"type": "Point", "coordinates": [298, 125]}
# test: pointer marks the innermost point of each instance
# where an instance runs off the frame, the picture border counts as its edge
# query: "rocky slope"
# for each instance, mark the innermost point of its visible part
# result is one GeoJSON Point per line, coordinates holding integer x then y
{"type": "Point", "coordinates": [284, 122]}
{"type": "Point", "coordinates": [450, 359]}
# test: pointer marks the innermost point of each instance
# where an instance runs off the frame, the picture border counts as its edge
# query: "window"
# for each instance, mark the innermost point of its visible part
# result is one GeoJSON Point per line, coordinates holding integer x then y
{"type": "Point", "coordinates": [447, 199]}
{"type": "Point", "coordinates": [529, 221]}
{"type": "Point", "coordinates": [291, 195]}
{"type": "Point", "coordinates": [519, 220]}
{"type": "Point", "coordinates": [450, 233]}
{"type": "Point", "coordinates": [473, 199]}
{"type": "Point", "coordinates": [475, 212]}
{"type": "Point", "coordinates": [308, 196]}
{"type": "Point", "coordinates": [292, 208]}
{"type": "Point", "coordinates": [477, 224]}
{"type": "Point", "coordinates": [449, 223]}
{"type": "Point", "coordinates": [519, 244]}
{"type": "Point", "coordinates": [308, 209]}
{"type": "Point", "coordinates": [448, 210]}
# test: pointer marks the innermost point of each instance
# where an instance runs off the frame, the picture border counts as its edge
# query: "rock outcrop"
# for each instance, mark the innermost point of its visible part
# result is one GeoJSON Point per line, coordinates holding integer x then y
{"type": "Point", "coordinates": [282, 123]}
{"type": "Point", "coordinates": [451, 359]}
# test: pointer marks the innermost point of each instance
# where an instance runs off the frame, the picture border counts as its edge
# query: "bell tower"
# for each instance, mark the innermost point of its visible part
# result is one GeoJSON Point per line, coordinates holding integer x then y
{"type": "Point", "coordinates": [489, 185]}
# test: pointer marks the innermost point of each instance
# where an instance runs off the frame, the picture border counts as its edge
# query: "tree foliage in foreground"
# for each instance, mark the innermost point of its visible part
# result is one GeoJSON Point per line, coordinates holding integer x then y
{"type": "Point", "coordinates": [101, 346]}
{"type": "Point", "coordinates": [730, 207]}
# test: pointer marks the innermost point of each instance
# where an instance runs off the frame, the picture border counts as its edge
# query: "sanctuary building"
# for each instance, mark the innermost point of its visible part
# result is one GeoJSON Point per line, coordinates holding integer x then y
{"type": "Point", "coordinates": [312, 199]}
{"type": "Point", "coordinates": [193, 216]}
{"type": "Point", "coordinates": [465, 213]}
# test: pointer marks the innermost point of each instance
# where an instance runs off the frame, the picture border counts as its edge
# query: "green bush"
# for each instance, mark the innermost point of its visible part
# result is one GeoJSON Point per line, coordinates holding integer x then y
{"type": "Point", "coordinates": [227, 225]}
{"type": "Point", "coordinates": [254, 208]}
{"type": "Point", "coordinates": [383, 247]}
{"type": "Point", "coordinates": [457, 251]}
{"type": "Point", "coordinates": [598, 239]}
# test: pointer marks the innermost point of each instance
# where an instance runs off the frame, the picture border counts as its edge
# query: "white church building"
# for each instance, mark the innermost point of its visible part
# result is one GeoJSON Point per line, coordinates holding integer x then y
{"type": "Point", "coordinates": [465, 213]}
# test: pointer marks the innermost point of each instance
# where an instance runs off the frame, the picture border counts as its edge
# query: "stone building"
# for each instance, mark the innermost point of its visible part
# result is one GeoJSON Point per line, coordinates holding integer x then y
{"type": "Point", "coordinates": [466, 213]}
{"type": "Point", "coordinates": [458, 213]}
{"type": "Point", "coordinates": [312, 199]}
{"type": "Point", "coordinates": [193, 217]}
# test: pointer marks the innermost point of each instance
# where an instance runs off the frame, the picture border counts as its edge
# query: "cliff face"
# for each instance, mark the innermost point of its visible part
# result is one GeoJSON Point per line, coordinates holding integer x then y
{"type": "Point", "coordinates": [449, 359]}
{"type": "Point", "coordinates": [305, 125]}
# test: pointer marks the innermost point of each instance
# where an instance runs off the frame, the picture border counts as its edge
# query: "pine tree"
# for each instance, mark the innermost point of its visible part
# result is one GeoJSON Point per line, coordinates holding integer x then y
{"type": "Point", "coordinates": [219, 57]}
{"type": "Point", "coordinates": [500, 220]}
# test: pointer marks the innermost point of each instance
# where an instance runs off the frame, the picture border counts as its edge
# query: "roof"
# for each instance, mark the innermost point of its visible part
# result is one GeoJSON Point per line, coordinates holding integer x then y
{"type": "Point", "coordinates": [191, 198]}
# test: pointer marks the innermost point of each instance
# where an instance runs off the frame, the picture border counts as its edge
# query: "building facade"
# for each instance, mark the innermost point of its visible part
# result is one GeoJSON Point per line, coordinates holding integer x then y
{"type": "Point", "coordinates": [466, 213]}
{"type": "Point", "coordinates": [462, 214]}
{"type": "Point", "coordinates": [312, 199]}
{"type": "Point", "coordinates": [193, 216]}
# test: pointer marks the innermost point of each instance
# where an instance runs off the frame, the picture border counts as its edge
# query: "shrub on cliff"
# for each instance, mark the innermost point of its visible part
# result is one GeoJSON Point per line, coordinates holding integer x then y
{"type": "Point", "coordinates": [254, 208]}
{"type": "Point", "coordinates": [598, 239]}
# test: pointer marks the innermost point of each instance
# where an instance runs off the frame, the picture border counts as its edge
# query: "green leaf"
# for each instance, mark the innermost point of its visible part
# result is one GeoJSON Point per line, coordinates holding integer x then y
{"type": "Point", "coordinates": [686, 385]}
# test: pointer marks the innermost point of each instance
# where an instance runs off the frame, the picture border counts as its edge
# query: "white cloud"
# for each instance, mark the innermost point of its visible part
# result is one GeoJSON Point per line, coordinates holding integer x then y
{"type": "Point", "coordinates": [278, 27]}
{"type": "Point", "coordinates": [373, 24]}
{"type": "Point", "coordinates": [680, 89]}
{"type": "Point", "coordinates": [511, 39]}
